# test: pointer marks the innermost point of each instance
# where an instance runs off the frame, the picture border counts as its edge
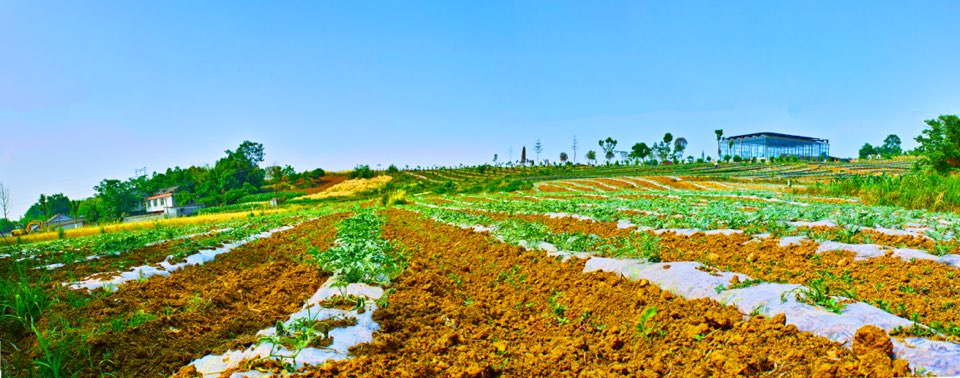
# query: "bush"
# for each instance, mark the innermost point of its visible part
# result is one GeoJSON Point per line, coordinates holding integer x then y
{"type": "Point", "coordinates": [361, 171]}
{"type": "Point", "coordinates": [913, 191]}
{"type": "Point", "coordinates": [940, 144]}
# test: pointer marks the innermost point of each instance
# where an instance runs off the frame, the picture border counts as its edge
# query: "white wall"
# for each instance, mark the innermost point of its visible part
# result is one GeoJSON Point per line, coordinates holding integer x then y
{"type": "Point", "coordinates": [160, 204]}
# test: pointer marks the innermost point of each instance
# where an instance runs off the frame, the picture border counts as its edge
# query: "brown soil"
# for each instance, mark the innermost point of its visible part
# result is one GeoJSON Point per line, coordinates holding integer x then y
{"type": "Point", "coordinates": [201, 309]}
{"type": "Point", "coordinates": [547, 188]}
{"type": "Point", "coordinates": [641, 183]}
{"type": "Point", "coordinates": [470, 306]}
{"type": "Point", "coordinates": [904, 288]}
{"type": "Point", "coordinates": [325, 183]}
{"type": "Point", "coordinates": [615, 183]}
{"type": "Point", "coordinates": [673, 183]}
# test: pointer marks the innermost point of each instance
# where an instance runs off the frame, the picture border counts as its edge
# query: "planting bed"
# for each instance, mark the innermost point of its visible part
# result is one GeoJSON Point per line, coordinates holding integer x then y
{"type": "Point", "coordinates": [631, 275]}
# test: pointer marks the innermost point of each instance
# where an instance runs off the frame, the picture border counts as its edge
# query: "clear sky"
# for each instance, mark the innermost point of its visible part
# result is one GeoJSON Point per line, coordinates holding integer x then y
{"type": "Point", "coordinates": [95, 89]}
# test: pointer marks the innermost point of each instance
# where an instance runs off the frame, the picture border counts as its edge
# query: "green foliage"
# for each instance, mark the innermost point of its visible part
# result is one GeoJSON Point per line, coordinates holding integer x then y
{"type": "Point", "coordinates": [911, 191]}
{"type": "Point", "coordinates": [645, 327]}
{"type": "Point", "coordinates": [362, 171]}
{"type": "Point", "coordinates": [359, 254]}
{"type": "Point", "coordinates": [557, 309]}
{"type": "Point", "coordinates": [940, 144]}
{"type": "Point", "coordinates": [22, 300]}
{"type": "Point", "coordinates": [262, 197]}
{"type": "Point", "coordinates": [817, 292]}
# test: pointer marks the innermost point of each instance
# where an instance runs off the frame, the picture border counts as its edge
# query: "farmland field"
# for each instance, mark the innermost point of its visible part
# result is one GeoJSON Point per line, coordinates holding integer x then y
{"type": "Point", "coordinates": [661, 271]}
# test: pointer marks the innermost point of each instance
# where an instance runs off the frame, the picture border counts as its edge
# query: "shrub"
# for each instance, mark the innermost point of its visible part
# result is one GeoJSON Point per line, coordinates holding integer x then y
{"type": "Point", "coordinates": [361, 171]}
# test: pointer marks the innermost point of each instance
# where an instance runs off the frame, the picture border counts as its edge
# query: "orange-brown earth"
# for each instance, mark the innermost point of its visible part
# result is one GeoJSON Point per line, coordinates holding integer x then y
{"type": "Point", "coordinates": [922, 290]}
{"type": "Point", "coordinates": [471, 306]}
{"type": "Point", "coordinates": [195, 311]}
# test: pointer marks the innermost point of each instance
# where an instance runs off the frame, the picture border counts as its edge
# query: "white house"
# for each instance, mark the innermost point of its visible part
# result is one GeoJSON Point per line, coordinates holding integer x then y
{"type": "Point", "coordinates": [161, 201]}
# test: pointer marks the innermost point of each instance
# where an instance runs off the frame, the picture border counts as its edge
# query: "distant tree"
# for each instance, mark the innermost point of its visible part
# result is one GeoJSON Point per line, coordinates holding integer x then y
{"type": "Point", "coordinates": [608, 146]}
{"type": "Point", "coordinates": [891, 146]}
{"type": "Point", "coordinates": [661, 150]}
{"type": "Point", "coordinates": [75, 209]}
{"type": "Point", "coordinates": [5, 203]}
{"type": "Point", "coordinates": [667, 141]}
{"type": "Point", "coordinates": [866, 151]}
{"type": "Point", "coordinates": [538, 148]}
{"type": "Point", "coordinates": [719, 133]}
{"type": "Point", "coordinates": [563, 157]}
{"type": "Point", "coordinates": [523, 155]}
{"type": "Point", "coordinates": [392, 169]}
{"type": "Point", "coordinates": [679, 145]}
{"type": "Point", "coordinates": [494, 158]}
{"type": "Point", "coordinates": [362, 171]}
{"type": "Point", "coordinates": [575, 148]}
{"type": "Point", "coordinates": [43, 206]}
{"type": "Point", "coordinates": [592, 156]}
{"type": "Point", "coordinates": [640, 151]}
{"type": "Point", "coordinates": [940, 144]}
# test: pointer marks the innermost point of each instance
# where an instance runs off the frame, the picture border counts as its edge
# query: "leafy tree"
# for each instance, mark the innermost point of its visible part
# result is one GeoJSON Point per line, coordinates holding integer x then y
{"type": "Point", "coordinates": [679, 145]}
{"type": "Point", "coordinates": [719, 133]}
{"type": "Point", "coordinates": [940, 144]}
{"type": "Point", "coordinates": [608, 146]}
{"type": "Point", "coordinates": [563, 157]}
{"type": "Point", "coordinates": [661, 150]}
{"type": "Point", "coordinates": [362, 171]}
{"type": "Point", "coordinates": [891, 146]}
{"type": "Point", "coordinates": [866, 151]}
{"type": "Point", "coordinates": [592, 156]}
{"type": "Point", "coordinates": [538, 148]}
{"type": "Point", "coordinates": [640, 151]}
{"type": "Point", "coordinates": [75, 209]}
{"type": "Point", "coordinates": [392, 169]}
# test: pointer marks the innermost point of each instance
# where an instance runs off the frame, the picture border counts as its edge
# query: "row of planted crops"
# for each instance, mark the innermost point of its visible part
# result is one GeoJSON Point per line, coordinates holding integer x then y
{"type": "Point", "coordinates": [624, 276]}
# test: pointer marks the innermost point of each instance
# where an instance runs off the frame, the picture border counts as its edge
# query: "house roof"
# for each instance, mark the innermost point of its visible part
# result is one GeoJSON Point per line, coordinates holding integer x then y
{"type": "Point", "coordinates": [65, 218]}
{"type": "Point", "coordinates": [165, 192]}
{"type": "Point", "coordinates": [777, 135]}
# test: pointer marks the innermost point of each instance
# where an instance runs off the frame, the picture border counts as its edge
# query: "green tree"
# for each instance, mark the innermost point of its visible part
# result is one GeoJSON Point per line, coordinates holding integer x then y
{"type": "Point", "coordinates": [608, 146]}
{"type": "Point", "coordinates": [661, 150]}
{"type": "Point", "coordinates": [592, 156]}
{"type": "Point", "coordinates": [679, 145]}
{"type": "Point", "coordinates": [563, 157]}
{"type": "Point", "coordinates": [538, 148]}
{"type": "Point", "coordinates": [940, 144]}
{"type": "Point", "coordinates": [362, 171]}
{"type": "Point", "coordinates": [719, 133]}
{"type": "Point", "coordinates": [866, 151]}
{"type": "Point", "coordinates": [640, 151]}
{"type": "Point", "coordinates": [523, 155]}
{"type": "Point", "coordinates": [891, 146]}
{"type": "Point", "coordinates": [75, 209]}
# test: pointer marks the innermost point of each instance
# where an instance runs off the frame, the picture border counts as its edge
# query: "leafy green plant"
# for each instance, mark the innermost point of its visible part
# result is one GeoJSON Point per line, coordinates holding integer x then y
{"type": "Point", "coordinates": [646, 327]}
{"type": "Point", "coordinates": [557, 309]}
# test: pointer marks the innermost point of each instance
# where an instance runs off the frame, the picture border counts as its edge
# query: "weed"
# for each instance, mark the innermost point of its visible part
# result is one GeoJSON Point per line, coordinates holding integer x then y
{"type": "Point", "coordinates": [646, 327]}
{"type": "Point", "coordinates": [558, 309]}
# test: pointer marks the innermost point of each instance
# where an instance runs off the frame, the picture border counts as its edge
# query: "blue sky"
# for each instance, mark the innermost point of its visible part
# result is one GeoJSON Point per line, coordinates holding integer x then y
{"type": "Point", "coordinates": [91, 90]}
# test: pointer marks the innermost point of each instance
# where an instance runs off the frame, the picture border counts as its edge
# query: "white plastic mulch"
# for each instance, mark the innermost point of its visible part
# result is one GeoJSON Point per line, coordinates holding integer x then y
{"type": "Point", "coordinates": [165, 267]}
{"type": "Point", "coordinates": [343, 338]}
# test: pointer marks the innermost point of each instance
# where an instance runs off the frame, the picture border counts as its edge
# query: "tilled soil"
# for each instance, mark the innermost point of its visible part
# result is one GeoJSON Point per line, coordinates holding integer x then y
{"type": "Point", "coordinates": [922, 290]}
{"type": "Point", "coordinates": [202, 309]}
{"type": "Point", "coordinates": [468, 305]}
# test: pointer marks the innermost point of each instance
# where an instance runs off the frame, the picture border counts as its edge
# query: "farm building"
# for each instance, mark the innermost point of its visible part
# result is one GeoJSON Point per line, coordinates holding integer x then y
{"type": "Point", "coordinates": [63, 221]}
{"type": "Point", "coordinates": [160, 201]}
{"type": "Point", "coordinates": [769, 145]}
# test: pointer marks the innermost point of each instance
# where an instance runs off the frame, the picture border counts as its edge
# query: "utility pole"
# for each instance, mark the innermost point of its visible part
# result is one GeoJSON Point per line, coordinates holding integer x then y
{"type": "Point", "coordinates": [574, 148]}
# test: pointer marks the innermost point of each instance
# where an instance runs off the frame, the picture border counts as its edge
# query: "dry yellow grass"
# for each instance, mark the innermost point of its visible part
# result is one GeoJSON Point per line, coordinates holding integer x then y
{"type": "Point", "coordinates": [351, 187]}
{"type": "Point", "coordinates": [118, 227]}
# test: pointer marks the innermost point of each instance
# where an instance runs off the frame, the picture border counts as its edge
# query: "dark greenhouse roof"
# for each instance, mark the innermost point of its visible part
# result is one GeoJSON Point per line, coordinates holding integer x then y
{"type": "Point", "coordinates": [777, 135]}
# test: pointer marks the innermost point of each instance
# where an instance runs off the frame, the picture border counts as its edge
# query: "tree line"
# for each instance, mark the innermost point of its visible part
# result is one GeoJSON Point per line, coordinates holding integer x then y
{"type": "Point", "coordinates": [232, 177]}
